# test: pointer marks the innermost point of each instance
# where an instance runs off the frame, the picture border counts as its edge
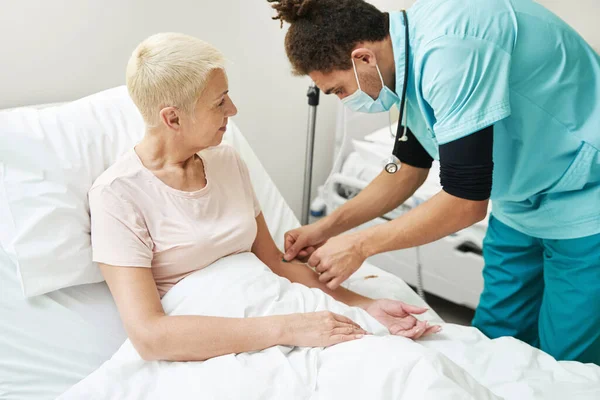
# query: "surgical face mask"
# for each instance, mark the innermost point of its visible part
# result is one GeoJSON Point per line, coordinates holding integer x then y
{"type": "Point", "coordinates": [359, 101]}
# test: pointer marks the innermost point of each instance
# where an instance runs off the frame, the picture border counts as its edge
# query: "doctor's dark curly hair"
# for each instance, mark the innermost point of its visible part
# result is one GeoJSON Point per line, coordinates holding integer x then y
{"type": "Point", "coordinates": [323, 33]}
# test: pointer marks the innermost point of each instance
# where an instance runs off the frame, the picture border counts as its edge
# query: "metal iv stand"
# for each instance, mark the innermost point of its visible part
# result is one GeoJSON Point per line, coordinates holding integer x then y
{"type": "Point", "coordinates": [313, 103]}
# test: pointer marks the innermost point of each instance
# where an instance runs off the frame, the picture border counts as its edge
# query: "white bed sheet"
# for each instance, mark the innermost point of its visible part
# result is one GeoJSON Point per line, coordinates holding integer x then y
{"type": "Point", "coordinates": [51, 342]}
{"type": "Point", "coordinates": [459, 363]}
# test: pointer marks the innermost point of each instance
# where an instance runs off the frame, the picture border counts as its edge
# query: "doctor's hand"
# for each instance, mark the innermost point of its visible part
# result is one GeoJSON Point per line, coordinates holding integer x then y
{"type": "Point", "coordinates": [396, 317]}
{"type": "Point", "coordinates": [300, 243]}
{"type": "Point", "coordinates": [337, 259]}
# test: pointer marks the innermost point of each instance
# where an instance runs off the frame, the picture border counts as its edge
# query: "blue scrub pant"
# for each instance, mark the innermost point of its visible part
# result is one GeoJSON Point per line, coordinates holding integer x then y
{"type": "Point", "coordinates": [543, 292]}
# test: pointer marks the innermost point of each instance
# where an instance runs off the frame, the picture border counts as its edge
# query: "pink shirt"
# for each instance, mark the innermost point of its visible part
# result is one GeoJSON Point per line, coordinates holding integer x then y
{"type": "Point", "coordinates": [139, 221]}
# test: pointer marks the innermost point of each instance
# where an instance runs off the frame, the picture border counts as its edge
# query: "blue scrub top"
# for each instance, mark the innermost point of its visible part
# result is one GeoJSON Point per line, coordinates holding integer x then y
{"type": "Point", "coordinates": [513, 64]}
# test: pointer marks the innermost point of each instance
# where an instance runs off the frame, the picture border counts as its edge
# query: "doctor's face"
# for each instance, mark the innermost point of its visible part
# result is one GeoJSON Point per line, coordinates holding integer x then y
{"type": "Point", "coordinates": [342, 83]}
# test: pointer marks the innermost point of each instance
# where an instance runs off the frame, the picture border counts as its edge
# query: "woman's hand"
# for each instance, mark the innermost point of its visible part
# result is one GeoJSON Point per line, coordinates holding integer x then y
{"type": "Point", "coordinates": [319, 329]}
{"type": "Point", "coordinates": [396, 317]}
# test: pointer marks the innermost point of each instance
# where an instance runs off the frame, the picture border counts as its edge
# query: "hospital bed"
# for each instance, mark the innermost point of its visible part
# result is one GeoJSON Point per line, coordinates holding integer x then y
{"type": "Point", "coordinates": [41, 352]}
{"type": "Point", "coordinates": [49, 342]}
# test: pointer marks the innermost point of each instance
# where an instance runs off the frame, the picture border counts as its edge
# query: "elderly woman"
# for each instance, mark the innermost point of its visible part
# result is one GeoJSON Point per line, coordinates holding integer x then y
{"type": "Point", "coordinates": [180, 200]}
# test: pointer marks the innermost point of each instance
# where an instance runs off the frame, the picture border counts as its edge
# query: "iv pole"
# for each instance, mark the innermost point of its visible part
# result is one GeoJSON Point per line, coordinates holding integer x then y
{"type": "Point", "coordinates": [313, 103]}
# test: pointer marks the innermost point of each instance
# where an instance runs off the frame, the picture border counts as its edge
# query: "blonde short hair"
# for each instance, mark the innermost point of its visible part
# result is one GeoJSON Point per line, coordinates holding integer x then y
{"type": "Point", "coordinates": [170, 69]}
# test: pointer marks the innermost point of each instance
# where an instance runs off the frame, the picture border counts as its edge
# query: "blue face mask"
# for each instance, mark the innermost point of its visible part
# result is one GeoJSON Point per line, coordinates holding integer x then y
{"type": "Point", "coordinates": [359, 101]}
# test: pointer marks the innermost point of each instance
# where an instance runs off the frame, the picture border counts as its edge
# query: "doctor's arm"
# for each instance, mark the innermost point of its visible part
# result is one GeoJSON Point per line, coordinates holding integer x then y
{"type": "Point", "coordinates": [442, 215]}
{"type": "Point", "coordinates": [385, 193]}
{"type": "Point", "coordinates": [466, 167]}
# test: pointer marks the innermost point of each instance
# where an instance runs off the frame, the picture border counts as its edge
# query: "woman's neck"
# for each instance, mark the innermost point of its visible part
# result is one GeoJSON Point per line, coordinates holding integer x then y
{"type": "Point", "coordinates": [171, 162]}
{"type": "Point", "coordinates": [160, 150]}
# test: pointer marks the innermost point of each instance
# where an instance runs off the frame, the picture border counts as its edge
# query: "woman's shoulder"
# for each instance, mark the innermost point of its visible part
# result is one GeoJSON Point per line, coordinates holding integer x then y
{"type": "Point", "coordinates": [223, 154]}
{"type": "Point", "coordinates": [125, 168]}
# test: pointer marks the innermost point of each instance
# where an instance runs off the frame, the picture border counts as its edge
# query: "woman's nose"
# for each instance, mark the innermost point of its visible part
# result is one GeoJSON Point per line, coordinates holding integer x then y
{"type": "Point", "coordinates": [232, 110]}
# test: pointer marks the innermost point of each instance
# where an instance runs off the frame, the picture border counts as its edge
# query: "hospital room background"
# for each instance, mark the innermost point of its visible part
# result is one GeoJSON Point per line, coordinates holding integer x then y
{"type": "Point", "coordinates": [62, 50]}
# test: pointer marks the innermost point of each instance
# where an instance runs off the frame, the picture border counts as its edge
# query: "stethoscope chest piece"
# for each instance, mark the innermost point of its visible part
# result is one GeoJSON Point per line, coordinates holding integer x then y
{"type": "Point", "coordinates": [392, 165]}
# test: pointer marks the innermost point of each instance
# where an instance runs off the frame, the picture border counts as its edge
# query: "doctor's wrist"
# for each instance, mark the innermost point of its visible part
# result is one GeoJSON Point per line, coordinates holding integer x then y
{"type": "Point", "coordinates": [328, 227]}
{"type": "Point", "coordinates": [363, 244]}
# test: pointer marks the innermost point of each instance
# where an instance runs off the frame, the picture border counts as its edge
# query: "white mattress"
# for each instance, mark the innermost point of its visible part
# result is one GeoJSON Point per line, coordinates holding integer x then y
{"type": "Point", "coordinates": [40, 352]}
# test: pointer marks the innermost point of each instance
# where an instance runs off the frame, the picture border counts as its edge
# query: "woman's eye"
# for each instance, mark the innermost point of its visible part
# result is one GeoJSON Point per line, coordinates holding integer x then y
{"type": "Point", "coordinates": [222, 103]}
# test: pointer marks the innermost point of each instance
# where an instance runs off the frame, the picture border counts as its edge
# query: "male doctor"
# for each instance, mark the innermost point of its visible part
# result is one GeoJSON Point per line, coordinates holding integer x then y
{"type": "Point", "coordinates": [507, 96]}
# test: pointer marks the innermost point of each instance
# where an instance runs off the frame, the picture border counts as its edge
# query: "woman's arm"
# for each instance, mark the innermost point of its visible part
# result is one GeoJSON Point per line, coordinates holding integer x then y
{"type": "Point", "coordinates": [394, 315]}
{"type": "Point", "coordinates": [157, 336]}
{"type": "Point", "coordinates": [265, 249]}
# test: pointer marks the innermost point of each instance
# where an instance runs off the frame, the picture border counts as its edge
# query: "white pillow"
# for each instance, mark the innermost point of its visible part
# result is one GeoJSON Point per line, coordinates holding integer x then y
{"type": "Point", "coordinates": [49, 159]}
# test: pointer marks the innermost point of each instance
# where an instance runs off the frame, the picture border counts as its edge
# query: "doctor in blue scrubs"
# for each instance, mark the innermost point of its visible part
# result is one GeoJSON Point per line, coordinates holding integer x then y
{"type": "Point", "coordinates": [507, 97]}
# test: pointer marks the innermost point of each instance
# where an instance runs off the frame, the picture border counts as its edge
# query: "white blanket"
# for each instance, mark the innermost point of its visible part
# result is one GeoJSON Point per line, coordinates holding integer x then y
{"type": "Point", "coordinates": [456, 364]}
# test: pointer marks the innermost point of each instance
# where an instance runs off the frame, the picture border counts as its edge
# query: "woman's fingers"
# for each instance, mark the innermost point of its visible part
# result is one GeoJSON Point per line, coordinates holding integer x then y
{"type": "Point", "coordinates": [348, 330]}
{"type": "Point", "coordinates": [413, 309]}
{"type": "Point", "coordinates": [345, 329]}
{"type": "Point", "coordinates": [413, 333]}
{"type": "Point", "coordinates": [432, 329]}
{"type": "Point", "coordinates": [336, 339]}
{"type": "Point", "coordinates": [341, 318]}
{"type": "Point", "coordinates": [421, 328]}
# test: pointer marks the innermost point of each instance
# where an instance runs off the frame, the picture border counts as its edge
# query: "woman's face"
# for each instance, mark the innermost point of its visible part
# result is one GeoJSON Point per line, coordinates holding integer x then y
{"type": "Point", "coordinates": [211, 113]}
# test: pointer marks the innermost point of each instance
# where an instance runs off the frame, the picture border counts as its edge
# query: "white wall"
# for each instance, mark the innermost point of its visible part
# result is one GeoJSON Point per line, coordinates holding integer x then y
{"type": "Point", "coordinates": [61, 50]}
{"type": "Point", "coordinates": [580, 14]}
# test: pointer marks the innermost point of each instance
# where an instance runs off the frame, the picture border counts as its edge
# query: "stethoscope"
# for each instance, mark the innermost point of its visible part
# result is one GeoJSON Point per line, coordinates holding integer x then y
{"type": "Point", "coordinates": [392, 163]}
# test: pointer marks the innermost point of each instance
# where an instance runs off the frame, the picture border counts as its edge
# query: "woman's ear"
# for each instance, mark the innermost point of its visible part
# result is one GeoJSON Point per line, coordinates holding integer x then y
{"type": "Point", "coordinates": [364, 56]}
{"type": "Point", "coordinates": [170, 117]}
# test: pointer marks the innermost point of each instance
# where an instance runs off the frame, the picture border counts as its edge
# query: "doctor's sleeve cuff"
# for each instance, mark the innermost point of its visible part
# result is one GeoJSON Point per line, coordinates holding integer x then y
{"type": "Point", "coordinates": [466, 82]}
{"type": "Point", "coordinates": [466, 166]}
{"type": "Point", "coordinates": [411, 152]}
{"type": "Point", "coordinates": [486, 118]}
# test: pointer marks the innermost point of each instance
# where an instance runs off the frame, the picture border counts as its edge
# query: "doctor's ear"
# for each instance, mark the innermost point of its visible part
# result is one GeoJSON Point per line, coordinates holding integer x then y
{"type": "Point", "coordinates": [364, 56]}
{"type": "Point", "coordinates": [170, 117]}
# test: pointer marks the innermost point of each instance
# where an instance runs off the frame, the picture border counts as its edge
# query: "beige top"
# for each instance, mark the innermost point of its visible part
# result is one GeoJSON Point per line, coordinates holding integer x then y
{"type": "Point", "coordinates": [139, 221]}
